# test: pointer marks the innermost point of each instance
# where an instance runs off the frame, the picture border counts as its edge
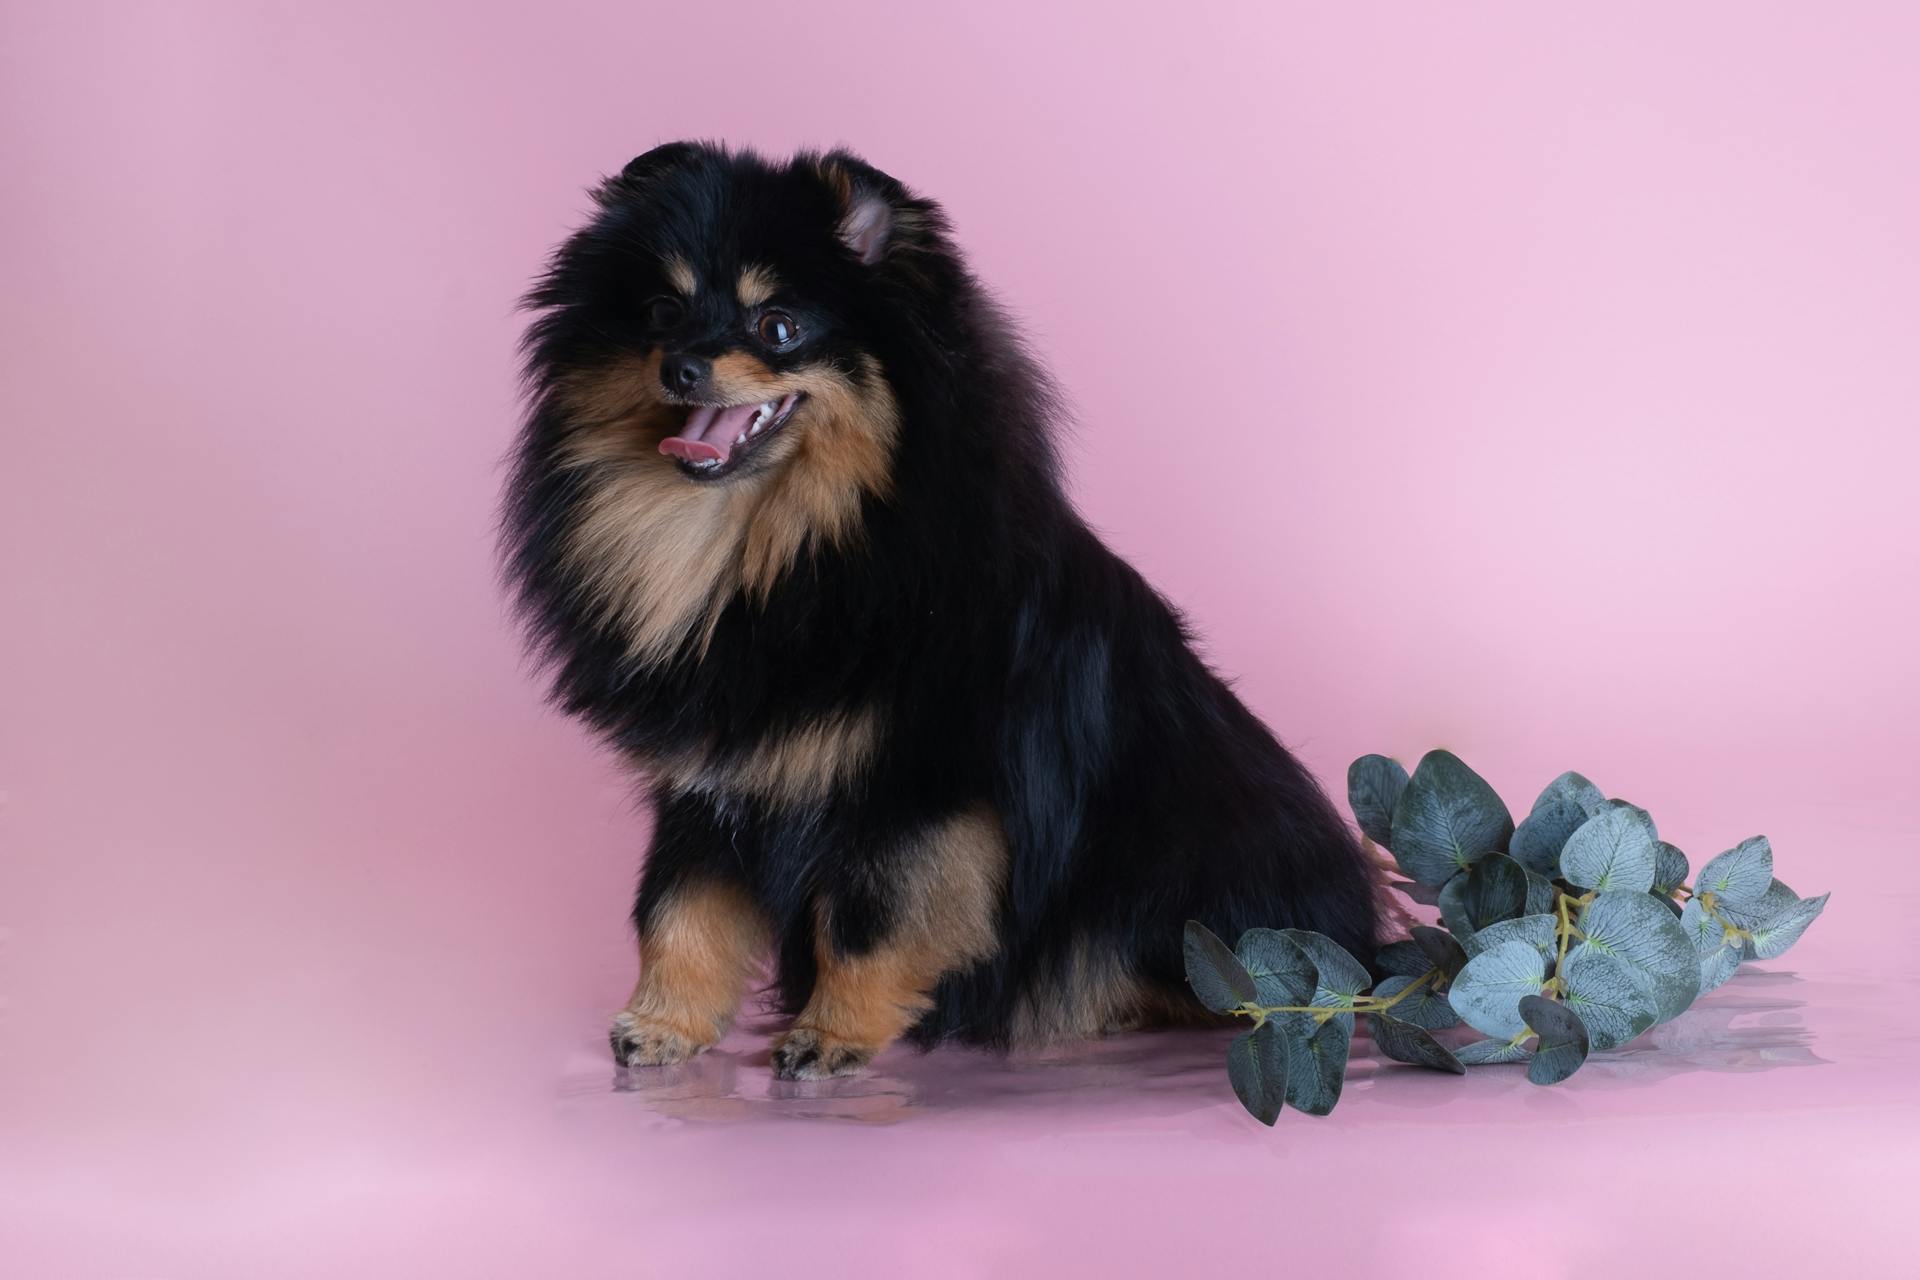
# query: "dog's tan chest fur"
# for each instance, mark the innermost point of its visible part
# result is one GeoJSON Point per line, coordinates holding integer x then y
{"type": "Point", "coordinates": [661, 554]}
{"type": "Point", "coordinates": [797, 767]}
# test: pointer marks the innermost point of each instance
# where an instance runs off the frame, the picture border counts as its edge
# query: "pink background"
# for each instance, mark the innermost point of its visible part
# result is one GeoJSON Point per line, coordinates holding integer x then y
{"type": "Point", "coordinates": [1536, 380]}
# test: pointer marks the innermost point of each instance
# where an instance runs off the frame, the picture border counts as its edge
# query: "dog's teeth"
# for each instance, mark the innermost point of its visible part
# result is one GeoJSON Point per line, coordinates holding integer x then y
{"type": "Point", "coordinates": [741, 439]}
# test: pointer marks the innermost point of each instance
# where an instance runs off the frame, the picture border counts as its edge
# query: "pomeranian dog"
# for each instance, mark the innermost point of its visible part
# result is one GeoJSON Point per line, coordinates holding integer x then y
{"type": "Point", "coordinates": [786, 527]}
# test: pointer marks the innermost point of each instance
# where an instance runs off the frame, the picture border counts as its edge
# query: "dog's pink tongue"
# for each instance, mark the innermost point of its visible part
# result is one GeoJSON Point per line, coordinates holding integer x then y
{"type": "Point", "coordinates": [709, 433]}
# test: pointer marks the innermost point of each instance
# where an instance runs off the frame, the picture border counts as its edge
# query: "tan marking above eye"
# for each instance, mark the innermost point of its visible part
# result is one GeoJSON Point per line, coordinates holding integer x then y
{"type": "Point", "coordinates": [757, 284]}
{"type": "Point", "coordinates": [680, 276]}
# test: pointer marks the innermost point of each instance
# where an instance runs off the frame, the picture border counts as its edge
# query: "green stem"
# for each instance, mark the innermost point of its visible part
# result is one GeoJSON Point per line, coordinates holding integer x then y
{"type": "Point", "coordinates": [1711, 905]}
{"type": "Point", "coordinates": [1564, 930]}
{"type": "Point", "coordinates": [1361, 1004]}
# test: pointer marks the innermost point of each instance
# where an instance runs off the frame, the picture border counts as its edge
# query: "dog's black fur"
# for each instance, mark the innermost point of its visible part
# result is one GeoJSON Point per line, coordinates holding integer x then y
{"type": "Point", "coordinates": [1016, 664]}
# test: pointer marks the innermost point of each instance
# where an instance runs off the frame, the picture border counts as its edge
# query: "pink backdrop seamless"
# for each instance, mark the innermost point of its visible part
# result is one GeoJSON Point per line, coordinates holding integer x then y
{"type": "Point", "coordinates": [1534, 380]}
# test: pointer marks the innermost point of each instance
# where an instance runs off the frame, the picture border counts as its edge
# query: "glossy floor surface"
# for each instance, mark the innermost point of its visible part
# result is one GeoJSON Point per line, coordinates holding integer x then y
{"type": "Point", "coordinates": [1770, 1131]}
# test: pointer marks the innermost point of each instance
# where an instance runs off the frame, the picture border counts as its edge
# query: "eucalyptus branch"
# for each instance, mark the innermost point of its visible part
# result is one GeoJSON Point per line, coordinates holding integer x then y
{"type": "Point", "coordinates": [1567, 933]}
{"type": "Point", "coordinates": [1361, 1004]}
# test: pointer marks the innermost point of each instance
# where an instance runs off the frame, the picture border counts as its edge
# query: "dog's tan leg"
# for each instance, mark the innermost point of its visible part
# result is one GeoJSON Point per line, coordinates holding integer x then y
{"type": "Point", "coordinates": [945, 906]}
{"type": "Point", "coordinates": [699, 948]}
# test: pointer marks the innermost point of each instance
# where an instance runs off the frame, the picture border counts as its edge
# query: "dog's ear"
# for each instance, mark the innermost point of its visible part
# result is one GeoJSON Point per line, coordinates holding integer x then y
{"type": "Point", "coordinates": [866, 226]}
{"type": "Point", "coordinates": [879, 217]}
{"type": "Point", "coordinates": [649, 167]}
{"type": "Point", "coordinates": [651, 164]}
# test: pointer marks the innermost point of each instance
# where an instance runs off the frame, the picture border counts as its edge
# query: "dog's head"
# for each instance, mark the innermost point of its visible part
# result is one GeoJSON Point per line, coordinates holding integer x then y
{"type": "Point", "coordinates": [721, 313]}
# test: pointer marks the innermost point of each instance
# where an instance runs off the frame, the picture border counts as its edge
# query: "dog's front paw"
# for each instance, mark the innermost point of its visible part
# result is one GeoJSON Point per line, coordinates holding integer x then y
{"type": "Point", "coordinates": [646, 1042]}
{"type": "Point", "coordinates": [806, 1054]}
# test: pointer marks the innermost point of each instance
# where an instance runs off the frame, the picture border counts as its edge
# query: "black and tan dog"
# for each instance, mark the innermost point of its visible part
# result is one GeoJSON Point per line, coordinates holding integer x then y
{"type": "Point", "coordinates": [787, 526]}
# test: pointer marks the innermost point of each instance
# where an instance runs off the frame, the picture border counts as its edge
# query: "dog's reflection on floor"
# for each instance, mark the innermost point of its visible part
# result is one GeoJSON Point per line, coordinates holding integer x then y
{"type": "Point", "coordinates": [1752, 1024]}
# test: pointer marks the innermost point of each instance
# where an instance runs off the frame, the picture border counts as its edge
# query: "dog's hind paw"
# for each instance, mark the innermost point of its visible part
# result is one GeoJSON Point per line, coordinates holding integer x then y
{"type": "Point", "coordinates": [644, 1042]}
{"type": "Point", "coordinates": [806, 1054]}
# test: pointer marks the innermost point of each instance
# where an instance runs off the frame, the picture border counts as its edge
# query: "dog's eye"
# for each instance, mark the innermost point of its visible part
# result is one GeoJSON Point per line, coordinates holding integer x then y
{"type": "Point", "coordinates": [777, 329]}
{"type": "Point", "coordinates": [664, 313]}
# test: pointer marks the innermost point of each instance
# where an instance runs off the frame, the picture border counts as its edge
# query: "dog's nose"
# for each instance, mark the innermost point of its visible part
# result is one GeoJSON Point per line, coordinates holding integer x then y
{"type": "Point", "coordinates": [682, 373]}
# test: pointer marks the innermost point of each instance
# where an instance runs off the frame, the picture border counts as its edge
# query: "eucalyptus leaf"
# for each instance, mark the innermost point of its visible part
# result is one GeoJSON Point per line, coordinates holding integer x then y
{"type": "Point", "coordinates": [1540, 894]}
{"type": "Point", "coordinates": [1487, 993]}
{"type": "Point", "coordinates": [1614, 849]}
{"type": "Point", "coordinates": [1282, 972]}
{"type": "Point", "coordinates": [1777, 899]}
{"type": "Point", "coordinates": [1773, 905]}
{"type": "Point", "coordinates": [1424, 1007]}
{"type": "Point", "coordinates": [1453, 907]}
{"type": "Point", "coordinates": [1612, 999]}
{"type": "Point", "coordinates": [1441, 949]}
{"type": "Point", "coordinates": [1487, 1053]}
{"type": "Point", "coordinates": [1571, 786]}
{"type": "Point", "coordinates": [1706, 933]}
{"type": "Point", "coordinates": [1718, 965]}
{"type": "Point", "coordinates": [1405, 1042]}
{"type": "Point", "coordinates": [1338, 976]}
{"type": "Point", "coordinates": [1215, 974]}
{"type": "Point", "coordinates": [1719, 951]}
{"type": "Point", "coordinates": [1773, 902]}
{"type": "Point", "coordinates": [1393, 984]}
{"type": "Point", "coordinates": [1404, 958]}
{"type": "Point", "coordinates": [1542, 834]}
{"type": "Point", "coordinates": [1774, 937]}
{"type": "Point", "coordinates": [1257, 1069]}
{"type": "Point", "coordinates": [1741, 876]}
{"type": "Point", "coordinates": [1374, 784]}
{"type": "Point", "coordinates": [1493, 889]}
{"type": "Point", "coordinates": [1538, 931]}
{"type": "Point", "coordinates": [1337, 971]}
{"type": "Point", "coordinates": [1669, 868]}
{"type": "Point", "coordinates": [1447, 819]}
{"type": "Point", "coordinates": [1637, 931]}
{"type": "Point", "coordinates": [1317, 1067]}
{"type": "Point", "coordinates": [1563, 1040]}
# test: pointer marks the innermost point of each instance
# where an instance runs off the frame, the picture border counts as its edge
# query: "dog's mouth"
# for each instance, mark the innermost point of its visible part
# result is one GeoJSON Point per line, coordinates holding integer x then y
{"type": "Point", "coordinates": [716, 438]}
